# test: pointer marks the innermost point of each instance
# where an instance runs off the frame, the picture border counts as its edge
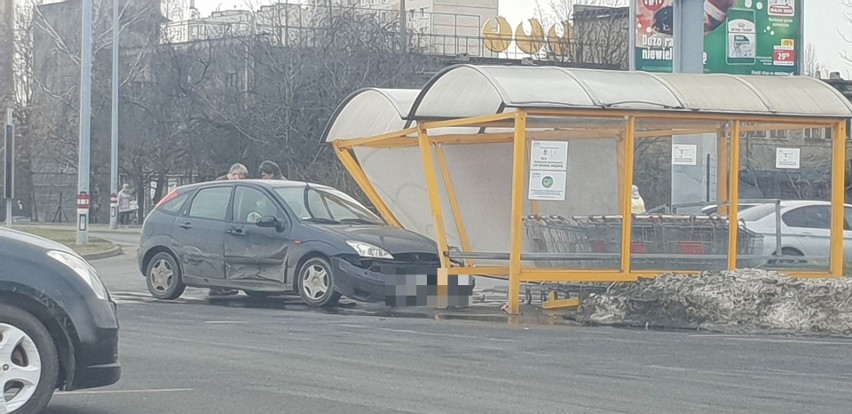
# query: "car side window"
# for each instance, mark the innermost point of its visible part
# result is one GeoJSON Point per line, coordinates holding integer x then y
{"type": "Point", "coordinates": [847, 219]}
{"type": "Point", "coordinates": [318, 207]}
{"type": "Point", "coordinates": [811, 217]}
{"type": "Point", "coordinates": [211, 203]}
{"type": "Point", "coordinates": [250, 205]}
{"type": "Point", "coordinates": [174, 205]}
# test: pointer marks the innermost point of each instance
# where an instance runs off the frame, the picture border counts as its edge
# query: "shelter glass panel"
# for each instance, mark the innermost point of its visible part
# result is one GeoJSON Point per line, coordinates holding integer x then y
{"type": "Point", "coordinates": [785, 196]}
{"type": "Point", "coordinates": [572, 216]}
{"type": "Point", "coordinates": [676, 174]}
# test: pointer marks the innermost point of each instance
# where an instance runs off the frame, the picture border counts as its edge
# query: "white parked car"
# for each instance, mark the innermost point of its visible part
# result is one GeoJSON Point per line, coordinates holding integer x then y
{"type": "Point", "coordinates": [714, 208]}
{"type": "Point", "coordinates": [805, 230]}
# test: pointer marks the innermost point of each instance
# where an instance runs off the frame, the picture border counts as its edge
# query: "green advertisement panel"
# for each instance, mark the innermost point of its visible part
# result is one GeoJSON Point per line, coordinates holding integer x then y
{"type": "Point", "coordinates": [746, 37]}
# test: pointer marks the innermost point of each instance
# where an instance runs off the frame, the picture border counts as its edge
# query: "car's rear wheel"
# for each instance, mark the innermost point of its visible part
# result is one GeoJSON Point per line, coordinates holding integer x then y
{"type": "Point", "coordinates": [787, 252]}
{"type": "Point", "coordinates": [29, 362]}
{"type": "Point", "coordinates": [316, 283]}
{"type": "Point", "coordinates": [164, 277]}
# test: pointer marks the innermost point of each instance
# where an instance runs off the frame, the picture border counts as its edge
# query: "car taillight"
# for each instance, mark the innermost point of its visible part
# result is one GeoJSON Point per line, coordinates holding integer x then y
{"type": "Point", "coordinates": [169, 197]}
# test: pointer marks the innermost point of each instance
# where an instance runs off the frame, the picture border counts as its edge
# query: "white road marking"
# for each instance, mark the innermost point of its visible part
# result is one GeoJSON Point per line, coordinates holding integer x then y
{"type": "Point", "coordinates": [224, 322]}
{"type": "Point", "coordinates": [143, 391]}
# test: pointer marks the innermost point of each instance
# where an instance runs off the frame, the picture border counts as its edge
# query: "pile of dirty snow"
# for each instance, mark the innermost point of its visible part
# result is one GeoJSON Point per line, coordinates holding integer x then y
{"type": "Point", "coordinates": [736, 301]}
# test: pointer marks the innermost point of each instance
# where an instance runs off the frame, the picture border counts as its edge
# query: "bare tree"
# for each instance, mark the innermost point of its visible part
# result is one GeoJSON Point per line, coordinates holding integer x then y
{"type": "Point", "coordinates": [846, 32]}
{"type": "Point", "coordinates": [256, 99]}
{"type": "Point", "coordinates": [812, 67]}
{"type": "Point", "coordinates": [596, 35]}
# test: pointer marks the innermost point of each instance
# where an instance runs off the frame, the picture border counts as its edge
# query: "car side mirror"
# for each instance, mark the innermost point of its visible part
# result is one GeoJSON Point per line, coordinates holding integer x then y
{"type": "Point", "coordinates": [271, 221]}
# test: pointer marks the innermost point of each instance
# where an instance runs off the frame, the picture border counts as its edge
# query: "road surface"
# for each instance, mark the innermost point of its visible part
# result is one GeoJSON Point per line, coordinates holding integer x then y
{"type": "Point", "coordinates": [236, 356]}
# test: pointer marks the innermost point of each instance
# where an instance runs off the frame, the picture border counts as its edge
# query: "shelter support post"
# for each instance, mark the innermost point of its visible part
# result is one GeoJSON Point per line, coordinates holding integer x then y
{"type": "Point", "coordinates": [626, 193]}
{"type": "Point", "coordinates": [620, 151]}
{"type": "Point", "coordinates": [453, 198]}
{"type": "Point", "coordinates": [347, 158]}
{"type": "Point", "coordinates": [722, 173]}
{"type": "Point", "coordinates": [838, 186]}
{"type": "Point", "coordinates": [734, 196]}
{"type": "Point", "coordinates": [434, 195]}
{"type": "Point", "coordinates": [517, 230]}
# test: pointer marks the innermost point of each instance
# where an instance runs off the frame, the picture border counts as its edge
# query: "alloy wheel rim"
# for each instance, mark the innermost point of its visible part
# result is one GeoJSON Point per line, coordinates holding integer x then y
{"type": "Point", "coordinates": [20, 368]}
{"type": "Point", "coordinates": [162, 275]}
{"type": "Point", "coordinates": [315, 282]}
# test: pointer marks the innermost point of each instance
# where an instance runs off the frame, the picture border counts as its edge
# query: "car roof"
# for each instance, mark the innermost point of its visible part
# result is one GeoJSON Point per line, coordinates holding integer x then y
{"type": "Point", "coordinates": [257, 182]}
{"type": "Point", "coordinates": [800, 203]}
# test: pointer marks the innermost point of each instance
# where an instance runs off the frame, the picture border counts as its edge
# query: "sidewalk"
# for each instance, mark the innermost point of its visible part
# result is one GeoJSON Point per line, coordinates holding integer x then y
{"type": "Point", "coordinates": [93, 228]}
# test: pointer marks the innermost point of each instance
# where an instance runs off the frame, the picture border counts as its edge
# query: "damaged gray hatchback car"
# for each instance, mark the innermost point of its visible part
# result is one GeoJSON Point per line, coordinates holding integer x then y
{"type": "Point", "coordinates": [268, 237]}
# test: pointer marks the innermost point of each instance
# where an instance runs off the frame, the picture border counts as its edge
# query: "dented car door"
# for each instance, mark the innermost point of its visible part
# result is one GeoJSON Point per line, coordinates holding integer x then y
{"type": "Point", "coordinates": [199, 236]}
{"type": "Point", "coordinates": [252, 252]}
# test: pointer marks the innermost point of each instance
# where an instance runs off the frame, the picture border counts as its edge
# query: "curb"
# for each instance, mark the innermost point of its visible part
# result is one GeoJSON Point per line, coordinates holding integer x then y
{"type": "Point", "coordinates": [114, 251]}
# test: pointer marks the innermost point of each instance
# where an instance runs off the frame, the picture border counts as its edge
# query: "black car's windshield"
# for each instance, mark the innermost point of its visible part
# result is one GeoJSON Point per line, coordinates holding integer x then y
{"type": "Point", "coordinates": [322, 205]}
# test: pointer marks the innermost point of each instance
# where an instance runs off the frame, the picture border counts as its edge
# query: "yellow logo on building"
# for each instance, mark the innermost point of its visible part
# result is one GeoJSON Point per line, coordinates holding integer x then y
{"type": "Point", "coordinates": [497, 33]}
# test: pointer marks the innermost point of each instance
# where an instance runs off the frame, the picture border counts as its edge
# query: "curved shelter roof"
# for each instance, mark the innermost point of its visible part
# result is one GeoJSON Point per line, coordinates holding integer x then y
{"type": "Point", "coordinates": [465, 91]}
{"type": "Point", "coordinates": [369, 112]}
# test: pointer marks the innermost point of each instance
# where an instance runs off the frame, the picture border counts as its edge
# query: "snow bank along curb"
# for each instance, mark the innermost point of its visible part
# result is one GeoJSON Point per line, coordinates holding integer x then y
{"type": "Point", "coordinates": [740, 301]}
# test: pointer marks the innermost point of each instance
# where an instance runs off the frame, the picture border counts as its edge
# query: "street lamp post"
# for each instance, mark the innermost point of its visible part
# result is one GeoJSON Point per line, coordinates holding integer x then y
{"type": "Point", "coordinates": [83, 167]}
{"type": "Point", "coordinates": [403, 27]}
{"type": "Point", "coordinates": [113, 205]}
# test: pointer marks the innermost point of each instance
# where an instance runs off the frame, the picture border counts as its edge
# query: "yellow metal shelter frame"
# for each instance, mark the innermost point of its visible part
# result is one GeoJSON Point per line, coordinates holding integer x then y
{"type": "Point", "coordinates": [434, 163]}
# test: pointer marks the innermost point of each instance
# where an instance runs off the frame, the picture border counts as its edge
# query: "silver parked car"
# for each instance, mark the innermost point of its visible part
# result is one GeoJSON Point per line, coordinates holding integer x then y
{"type": "Point", "coordinates": [805, 230]}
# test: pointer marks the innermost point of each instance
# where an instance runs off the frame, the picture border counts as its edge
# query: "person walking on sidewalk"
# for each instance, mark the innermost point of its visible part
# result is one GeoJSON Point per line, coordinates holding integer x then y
{"type": "Point", "coordinates": [124, 209]}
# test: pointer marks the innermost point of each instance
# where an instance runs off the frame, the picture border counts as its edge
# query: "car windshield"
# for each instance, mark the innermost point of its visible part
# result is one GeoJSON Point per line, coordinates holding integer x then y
{"type": "Point", "coordinates": [324, 205]}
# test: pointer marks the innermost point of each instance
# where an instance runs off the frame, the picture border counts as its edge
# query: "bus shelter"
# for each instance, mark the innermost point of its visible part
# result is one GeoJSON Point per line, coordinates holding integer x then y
{"type": "Point", "coordinates": [529, 173]}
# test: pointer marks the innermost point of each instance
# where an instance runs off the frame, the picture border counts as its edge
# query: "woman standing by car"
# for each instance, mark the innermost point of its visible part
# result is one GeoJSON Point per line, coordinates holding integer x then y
{"type": "Point", "coordinates": [269, 170]}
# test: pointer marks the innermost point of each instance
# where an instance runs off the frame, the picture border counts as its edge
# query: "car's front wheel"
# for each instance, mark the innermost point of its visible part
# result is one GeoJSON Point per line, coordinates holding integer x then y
{"type": "Point", "coordinates": [164, 277]}
{"type": "Point", "coordinates": [316, 283]}
{"type": "Point", "coordinates": [29, 362]}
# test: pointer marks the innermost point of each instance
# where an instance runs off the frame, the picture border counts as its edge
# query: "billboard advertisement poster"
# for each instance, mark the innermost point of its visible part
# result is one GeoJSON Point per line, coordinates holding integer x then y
{"type": "Point", "coordinates": [744, 37]}
{"type": "Point", "coordinates": [654, 26]}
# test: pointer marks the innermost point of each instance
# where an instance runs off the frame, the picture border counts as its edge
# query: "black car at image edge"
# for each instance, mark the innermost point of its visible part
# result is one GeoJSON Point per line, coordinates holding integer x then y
{"type": "Point", "coordinates": [58, 324]}
{"type": "Point", "coordinates": [268, 237]}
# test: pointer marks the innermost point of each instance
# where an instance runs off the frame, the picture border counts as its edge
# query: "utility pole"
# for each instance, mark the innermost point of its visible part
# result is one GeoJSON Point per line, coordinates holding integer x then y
{"type": "Point", "coordinates": [403, 27]}
{"type": "Point", "coordinates": [688, 36]}
{"type": "Point", "coordinates": [113, 179]}
{"type": "Point", "coordinates": [9, 166]}
{"type": "Point", "coordinates": [83, 167]}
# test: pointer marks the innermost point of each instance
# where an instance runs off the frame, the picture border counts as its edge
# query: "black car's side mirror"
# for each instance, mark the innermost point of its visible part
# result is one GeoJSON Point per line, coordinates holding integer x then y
{"type": "Point", "coordinates": [271, 221]}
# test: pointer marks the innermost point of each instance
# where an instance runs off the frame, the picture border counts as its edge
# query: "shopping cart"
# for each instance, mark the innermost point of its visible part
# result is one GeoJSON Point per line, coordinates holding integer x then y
{"type": "Point", "coordinates": [658, 242]}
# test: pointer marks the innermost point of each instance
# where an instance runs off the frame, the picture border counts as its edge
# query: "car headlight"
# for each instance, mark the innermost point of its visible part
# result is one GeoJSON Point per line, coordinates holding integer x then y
{"type": "Point", "coordinates": [83, 269]}
{"type": "Point", "coordinates": [368, 250]}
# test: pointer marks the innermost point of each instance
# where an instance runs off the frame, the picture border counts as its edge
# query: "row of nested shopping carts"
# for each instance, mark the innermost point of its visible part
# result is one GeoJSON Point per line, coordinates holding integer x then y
{"type": "Point", "coordinates": [658, 242]}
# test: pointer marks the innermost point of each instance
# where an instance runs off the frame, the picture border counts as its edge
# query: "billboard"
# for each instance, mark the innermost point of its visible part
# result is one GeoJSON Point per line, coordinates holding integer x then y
{"type": "Point", "coordinates": [745, 37]}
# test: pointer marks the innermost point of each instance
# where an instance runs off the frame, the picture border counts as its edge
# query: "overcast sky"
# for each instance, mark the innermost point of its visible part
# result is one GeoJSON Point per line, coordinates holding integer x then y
{"type": "Point", "coordinates": [822, 22]}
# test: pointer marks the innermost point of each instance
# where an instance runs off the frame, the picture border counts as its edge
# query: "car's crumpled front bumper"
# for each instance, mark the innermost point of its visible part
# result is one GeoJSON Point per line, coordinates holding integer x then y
{"type": "Point", "coordinates": [389, 281]}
